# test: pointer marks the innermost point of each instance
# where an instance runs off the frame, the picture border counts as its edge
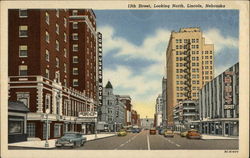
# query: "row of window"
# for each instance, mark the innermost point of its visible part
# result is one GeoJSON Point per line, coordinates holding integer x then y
{"type": "Point", "coordinates": [47, 19]}
{"type": "Point", "coordinates": [187, 40]}
{"type": "Point", "coordinates": [185, 46]}
{"type": "Point", "coordinates": [184, 94]}
{"type": "Point", "coordinates": [192, 52]}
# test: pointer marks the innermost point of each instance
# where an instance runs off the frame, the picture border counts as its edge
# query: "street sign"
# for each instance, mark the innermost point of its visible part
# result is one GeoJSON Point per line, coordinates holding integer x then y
{"type": "Point", "coordinates": [89, 114]}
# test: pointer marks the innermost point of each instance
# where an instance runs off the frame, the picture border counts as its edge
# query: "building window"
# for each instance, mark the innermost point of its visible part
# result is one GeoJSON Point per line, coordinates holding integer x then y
{"type": "Point", "coordinates": [47, 17]}
{"type": "Point", "coordinates": [23, 51]}
{"type": "Point", "coordinates": [47, 73]}
{"type": "Point", "coordinates": [23, 13]}
{"type": "Point", "coordinates": [65, 37]}
{"type": "Point", "coordinates": [65, 52]}
{"type": "Point", "coordinates": [57, 62]}
{"type": "Point", "coordinates": [23, 70]}
{"type": "Point", "coordinates": [75, 71]}
{"type": "Point", "coordinates": [31, 129]}
{"type": "Point", "coordinates": [57, 13]}
{"type": "Point", "coordinates": [23, 97]}
{"type": "Point", "coordinates": [23, 31]}
{"type": "Point", "coordinates": [57, 45]}
{"type": "Point", "coordinates": [47, 37]}
{"type": "Point", "coordinates": [75, 82]}
{"type": "Point", "coordinates": [74, 12]}
{"type": "Point", "coordinates": [75, 59]}
{"type": "Point", "coordinates": [65, 67]}
{"type": "Point", "coordinates": [75, 25]}
{"type": "Point", "coordinates": [65, 22]}
{"type": "Point", "coordinates": [197, 46]}
{"type": "Point", "coordinates": [47, 101]}
{"type": "Point", "coordinates": [57, 130]}
{"type": "Point", "coordinates": [47, 55]}
{"type": "Point", "coordinates": [57, 29]}
{"type": "Point", "coordinates": [65, 82]}
{"type": "Point", "coordinates": [75, 36]}
{"type": "Point", "coordinates": [57, 77]}
{"type": "Point", "coordinates": [75, 47]}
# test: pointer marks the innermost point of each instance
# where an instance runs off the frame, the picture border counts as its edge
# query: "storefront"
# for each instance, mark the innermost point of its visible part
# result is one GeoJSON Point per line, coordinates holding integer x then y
{"type": "Point", "coordinates": [17, 122]}
{"type": "Point", "coordinates": [220, 127]}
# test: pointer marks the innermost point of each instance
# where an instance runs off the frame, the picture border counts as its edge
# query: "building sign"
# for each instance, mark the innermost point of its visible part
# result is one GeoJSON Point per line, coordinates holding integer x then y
{"type": "Point", "coordinates": [87, 114]}
{"type": "Point", "coordinates": [228, 107]}
{"type": "Point", "coordinates": [228, 90]}
{"type": "Point", "coordinates": [100, 86]}
{"type": "Point", "coordinates": [86, 119]}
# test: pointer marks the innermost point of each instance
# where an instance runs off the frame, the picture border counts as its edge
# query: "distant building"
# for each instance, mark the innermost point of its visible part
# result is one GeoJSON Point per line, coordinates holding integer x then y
{"type": "Point", "coordinates": [147, 123]}
{"type": "Point", "coordinates": [219, 104]}
{"type": "Point", "coordinates": [158, 111]}
{"type": "Point", "coordinates": [126, 99]}
{"type": "Point", "coordinates": [113, 109]}
{"type": "Point", "coordinates": [190, 65]}
{"type": "Point", "coordinates": [184, 113]}
{"type": "Point", "coordinates": [164, 102]}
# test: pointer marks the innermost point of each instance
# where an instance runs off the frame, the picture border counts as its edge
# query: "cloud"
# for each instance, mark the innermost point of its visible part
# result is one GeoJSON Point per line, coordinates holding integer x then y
{"type": "Point", "coordinates": [152, 48]}
{"type": "Point", "coordinates": [214, 36]}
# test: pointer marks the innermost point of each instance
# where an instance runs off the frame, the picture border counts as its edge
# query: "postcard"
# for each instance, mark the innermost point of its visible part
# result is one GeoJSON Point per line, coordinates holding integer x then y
{"type": "Point", "coordinates": [124, 78]}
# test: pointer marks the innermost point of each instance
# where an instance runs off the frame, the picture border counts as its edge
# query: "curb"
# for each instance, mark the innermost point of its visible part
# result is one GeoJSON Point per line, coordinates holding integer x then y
{"type": "Point", "coordinates": [100, 138]}
{"type": "Point", "coordinates": [43, 148]}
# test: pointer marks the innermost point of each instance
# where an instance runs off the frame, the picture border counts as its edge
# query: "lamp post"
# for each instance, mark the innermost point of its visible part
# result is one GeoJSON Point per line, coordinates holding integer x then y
{"type": "Point", "coordinates": [115, 127]}
{"type": "Point", "coordinates": [47, 129]}
{"type": "Point", "coordinates": [75, 129]}
{"type": "Point", "coordinates": [95, 128]}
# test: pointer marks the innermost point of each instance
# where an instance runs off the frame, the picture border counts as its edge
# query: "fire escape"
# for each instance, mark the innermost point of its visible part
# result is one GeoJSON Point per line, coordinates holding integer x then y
{"type": "Point", "coordinates": [187, 70]}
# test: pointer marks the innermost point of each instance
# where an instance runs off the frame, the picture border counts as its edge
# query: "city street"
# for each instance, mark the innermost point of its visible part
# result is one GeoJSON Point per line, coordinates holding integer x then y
{"type": "Point", "coordinates": [145, 141]}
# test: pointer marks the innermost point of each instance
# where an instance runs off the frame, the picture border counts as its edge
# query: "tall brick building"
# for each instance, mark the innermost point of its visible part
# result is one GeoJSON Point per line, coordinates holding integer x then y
{"type": "Point", "coordinates": [53, 65]}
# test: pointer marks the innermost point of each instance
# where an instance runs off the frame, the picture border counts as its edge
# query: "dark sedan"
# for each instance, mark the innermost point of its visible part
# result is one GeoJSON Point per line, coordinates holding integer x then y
{"type": "Point", "coordinates": [71, 139]}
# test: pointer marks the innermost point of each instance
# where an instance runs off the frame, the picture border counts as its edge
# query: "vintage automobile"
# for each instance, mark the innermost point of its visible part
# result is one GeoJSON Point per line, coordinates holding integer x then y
{"type": "Point", "coordinates": [152, 131]}
{"type": "Point", "coordinates": [168, 133]}
{"type": "Point", "coordinates": [135, 130]}
{"type": "Point", "coordinates": [161, 131]}
{"type": "Point", "coordinates": [193, 134]}
{"type": "Point", "coordinates": [122, 132]}
{"type": "Point", "coordinates": [71, 139]}
{"type": "Point", "coordinates": [183, 133]}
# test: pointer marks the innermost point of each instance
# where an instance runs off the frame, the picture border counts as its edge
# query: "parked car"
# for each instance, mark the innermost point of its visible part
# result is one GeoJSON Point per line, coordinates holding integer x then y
{"type": "Point", "coordinates": [168, 133]}
{"type": "Point", "coordinates": [152, 131]}
{"type": "Point", "coordinates": [71, 139]}
{"type": "Point", "coordinates": [183, 134]}
{"type": "Point", "coordinates": [161, 131]}
{"type": "Point", "coordinates": [193, 134]}
{"type": "Point", "coordinates": [122, 132]}
{"type": "Point", "coordinates": [135, 130]}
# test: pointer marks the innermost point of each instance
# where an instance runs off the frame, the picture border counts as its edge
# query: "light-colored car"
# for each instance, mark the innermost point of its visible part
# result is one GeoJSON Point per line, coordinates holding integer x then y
{"type": "Point", "coordinates": [168, 133]}
{"type": "Point", "coordinates": [183, 134]}
{"type": "Point", "coordinates": [71, 139]}
{"type": "Point", "coordinates": [193, 134]}
{"type": "Point", "coordinates": [122, 132]}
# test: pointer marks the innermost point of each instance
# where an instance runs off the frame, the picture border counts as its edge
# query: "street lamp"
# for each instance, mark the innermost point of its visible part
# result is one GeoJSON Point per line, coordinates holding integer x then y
{"type": "Point", "coordinates": [115, 127]}
{"type": "Point", "coordinates": [47, 129]}
{"type": "Point", "coordinates": [95, 128]}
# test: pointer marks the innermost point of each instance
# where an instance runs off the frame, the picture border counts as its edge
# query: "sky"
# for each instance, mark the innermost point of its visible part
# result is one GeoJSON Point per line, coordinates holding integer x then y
{"type": "Point", "coordinates": [135, 43]}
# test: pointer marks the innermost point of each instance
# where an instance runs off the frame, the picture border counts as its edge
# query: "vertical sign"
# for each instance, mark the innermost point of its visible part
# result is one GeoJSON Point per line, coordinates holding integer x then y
{"type": "Point", "coordinates": [100, 87]}
{"type": "Point", "coordinates": [228, 90]}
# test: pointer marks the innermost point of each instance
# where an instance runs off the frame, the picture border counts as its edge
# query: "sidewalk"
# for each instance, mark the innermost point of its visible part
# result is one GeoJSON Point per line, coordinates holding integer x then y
{"type": "Point", "coordinates": [205, 136]}
{"type": "Point", "coordinates": [41, 144]}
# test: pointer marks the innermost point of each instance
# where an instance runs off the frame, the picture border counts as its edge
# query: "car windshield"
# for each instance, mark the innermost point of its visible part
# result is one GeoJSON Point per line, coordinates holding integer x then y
{"type": "Point", "coordinates": [122, 130]}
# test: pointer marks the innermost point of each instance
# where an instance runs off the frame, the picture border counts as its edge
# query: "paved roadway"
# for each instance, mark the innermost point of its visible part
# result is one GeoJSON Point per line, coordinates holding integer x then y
{"type": "Point", "coordinates": [144, 141]}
